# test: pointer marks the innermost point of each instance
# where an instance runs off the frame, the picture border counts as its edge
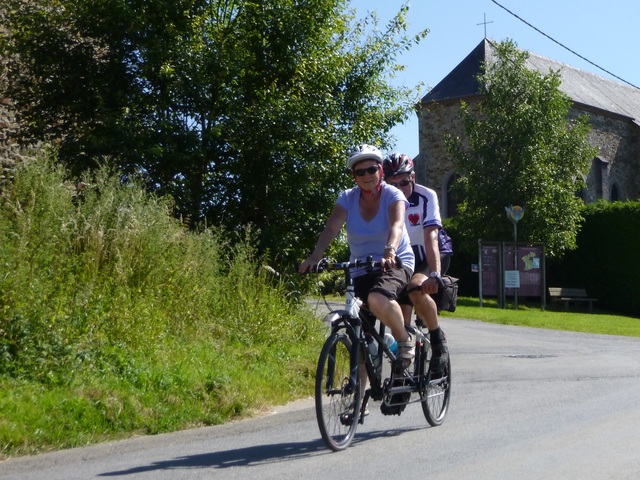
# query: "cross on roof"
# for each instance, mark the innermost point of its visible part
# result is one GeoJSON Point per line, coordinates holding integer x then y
{"type": "Point", "coordinates": [485, 24]}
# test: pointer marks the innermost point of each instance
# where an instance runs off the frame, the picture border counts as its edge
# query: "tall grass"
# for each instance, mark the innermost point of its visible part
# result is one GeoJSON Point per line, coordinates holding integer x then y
{"type": "Point", "coordinates": [115, 319]}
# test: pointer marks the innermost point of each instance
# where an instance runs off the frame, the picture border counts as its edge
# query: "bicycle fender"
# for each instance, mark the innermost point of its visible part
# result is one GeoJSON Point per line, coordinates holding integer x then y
{"type": "Point", "coordinates": [336, 317]}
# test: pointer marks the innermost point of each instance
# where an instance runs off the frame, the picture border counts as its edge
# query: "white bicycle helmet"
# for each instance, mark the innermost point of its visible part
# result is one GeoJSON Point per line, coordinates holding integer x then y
{"type": "Point", "coordinates": [364, 152]}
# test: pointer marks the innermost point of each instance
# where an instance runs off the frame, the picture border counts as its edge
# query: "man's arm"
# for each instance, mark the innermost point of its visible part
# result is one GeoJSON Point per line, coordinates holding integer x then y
{"type": "Point", "coordinates": [431, 248]}
{"type": "Point", "coordinates": [433, 258]}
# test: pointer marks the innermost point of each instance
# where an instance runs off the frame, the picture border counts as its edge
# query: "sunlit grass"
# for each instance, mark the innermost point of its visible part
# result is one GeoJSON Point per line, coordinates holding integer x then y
{"type": "Point", "coordinates": [531, 315]}
{"type": "Point", "coordinates": [116, 320]}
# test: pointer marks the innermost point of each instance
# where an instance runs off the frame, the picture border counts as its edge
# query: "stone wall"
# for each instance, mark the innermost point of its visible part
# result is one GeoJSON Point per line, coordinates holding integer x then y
{"type": "Point", "coordinates": [616, 139]}
{"type": "Point", "coordinates": [434, 166]}
{"type": "Point", "coordinates": [616, 168]}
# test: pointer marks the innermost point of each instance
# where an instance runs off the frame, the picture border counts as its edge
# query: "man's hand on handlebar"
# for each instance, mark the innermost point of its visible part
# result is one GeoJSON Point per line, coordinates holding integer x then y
{"type": "Point", "coordinates": [430, 286]}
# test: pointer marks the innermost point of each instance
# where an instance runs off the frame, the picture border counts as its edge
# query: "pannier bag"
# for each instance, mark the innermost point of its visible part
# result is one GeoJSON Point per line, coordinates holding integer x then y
{"type": "Point", "coordinates": [447, 297]}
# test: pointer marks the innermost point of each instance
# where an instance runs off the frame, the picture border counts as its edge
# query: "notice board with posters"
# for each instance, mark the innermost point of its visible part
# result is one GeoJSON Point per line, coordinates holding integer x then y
{"type": "Point", "coordinates": [496, 258]}
{"type": "Point", "coordinates": [490, 266]}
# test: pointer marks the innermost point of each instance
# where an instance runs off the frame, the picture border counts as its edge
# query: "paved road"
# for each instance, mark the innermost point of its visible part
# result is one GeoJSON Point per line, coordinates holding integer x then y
{"type": "Point", "coordinates": [527, 404]}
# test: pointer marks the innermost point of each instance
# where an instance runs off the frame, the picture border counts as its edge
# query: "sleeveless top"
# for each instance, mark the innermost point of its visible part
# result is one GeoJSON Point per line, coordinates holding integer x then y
{"type": "Point", "coordinates": [369, 237]}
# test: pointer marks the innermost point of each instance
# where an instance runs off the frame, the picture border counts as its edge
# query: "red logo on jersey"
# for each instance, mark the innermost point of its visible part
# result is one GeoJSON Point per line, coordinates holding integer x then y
{"type": "Point", "coordinates": [414, 218]}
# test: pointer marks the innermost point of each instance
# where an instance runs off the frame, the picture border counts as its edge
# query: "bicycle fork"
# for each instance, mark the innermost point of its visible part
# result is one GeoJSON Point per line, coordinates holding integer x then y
{"type": "Point", "coordinates": [353, 330]}
{"type": "Point", "coordinates": [356, 324]}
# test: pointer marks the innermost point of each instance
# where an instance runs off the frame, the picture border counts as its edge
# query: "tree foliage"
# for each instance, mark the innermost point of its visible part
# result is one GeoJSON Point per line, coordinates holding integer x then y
{"type": "Point", "coordinates": [522, 150]}
{"type": "Point", "coordinates": [242, 110]}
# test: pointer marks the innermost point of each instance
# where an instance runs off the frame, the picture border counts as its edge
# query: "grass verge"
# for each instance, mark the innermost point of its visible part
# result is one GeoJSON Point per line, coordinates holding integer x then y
{"type": "Point", "coordinates": [116, 320]}
{"type": "Point", "coordinates": [531, 315]}
{"type": "Point", "coordinates": [191, 384]}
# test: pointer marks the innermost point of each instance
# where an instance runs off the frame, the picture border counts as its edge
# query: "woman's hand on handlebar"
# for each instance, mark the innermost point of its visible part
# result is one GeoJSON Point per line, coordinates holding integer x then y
{"type": "Point", "coordinates": [309, 265]}
{"type": "Point", "coordinates": [389, 260]}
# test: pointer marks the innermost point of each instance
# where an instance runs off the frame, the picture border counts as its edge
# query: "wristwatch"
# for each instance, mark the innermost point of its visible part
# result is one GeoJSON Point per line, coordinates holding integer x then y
{"type": "Point", "coordinates": [389, 246]}
{"type": "Point", "coordinates": [434, 275]}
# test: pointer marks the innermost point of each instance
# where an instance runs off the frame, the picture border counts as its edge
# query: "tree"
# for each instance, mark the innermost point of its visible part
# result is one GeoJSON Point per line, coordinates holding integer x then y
{"type": "Point", "coordinates": [522, 150]}
{"type": "Point", "coordinates": [242, 110]}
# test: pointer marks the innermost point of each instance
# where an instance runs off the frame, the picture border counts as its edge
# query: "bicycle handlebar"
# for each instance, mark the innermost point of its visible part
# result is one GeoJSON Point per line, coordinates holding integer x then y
{"type": "Point", "coordinates": [325, 264]}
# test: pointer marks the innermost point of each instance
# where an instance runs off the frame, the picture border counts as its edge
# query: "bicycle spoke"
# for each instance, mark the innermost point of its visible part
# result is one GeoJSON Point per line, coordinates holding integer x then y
{"type": "Point", "coordinates": [336, 404]}
{"type": "Point", "coordinates": [435, 395]}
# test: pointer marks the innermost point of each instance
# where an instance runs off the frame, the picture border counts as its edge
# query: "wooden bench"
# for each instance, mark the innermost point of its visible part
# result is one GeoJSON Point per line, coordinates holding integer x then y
{"type": "Point", "coordinates": [571, 295]}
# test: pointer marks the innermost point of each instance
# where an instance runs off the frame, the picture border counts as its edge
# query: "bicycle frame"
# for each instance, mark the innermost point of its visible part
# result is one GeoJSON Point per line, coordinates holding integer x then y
{"type": "Point", "coordinates": [354, 320]}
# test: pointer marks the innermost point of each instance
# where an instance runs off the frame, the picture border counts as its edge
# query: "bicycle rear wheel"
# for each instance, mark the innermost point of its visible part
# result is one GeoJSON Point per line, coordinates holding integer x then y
{"type": "Point", "coordinates": [337, 406]}
{"type": "Point", "coordinates": [435, 393]}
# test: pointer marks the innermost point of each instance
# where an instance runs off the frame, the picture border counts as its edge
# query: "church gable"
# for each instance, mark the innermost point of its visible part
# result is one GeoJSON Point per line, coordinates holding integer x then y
{"type": "Point", "coordinates": [582, 87]}
{"type": "Point", "coordinates": [613, 110]}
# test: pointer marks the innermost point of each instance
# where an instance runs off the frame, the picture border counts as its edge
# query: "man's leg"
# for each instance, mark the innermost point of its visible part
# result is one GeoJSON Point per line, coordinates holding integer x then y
{"type": "Point", "coordinates": [427, 310]}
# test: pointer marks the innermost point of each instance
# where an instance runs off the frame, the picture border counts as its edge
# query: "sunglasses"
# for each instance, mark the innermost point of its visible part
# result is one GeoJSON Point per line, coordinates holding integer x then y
{"type": "Point", "coordinates": [403, 183]}
{"type": "Point", "coordinates": [361, 172]}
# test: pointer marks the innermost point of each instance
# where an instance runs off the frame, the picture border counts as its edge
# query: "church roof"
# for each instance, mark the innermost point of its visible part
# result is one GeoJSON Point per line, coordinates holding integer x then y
{"type": "Point", "coordinates": [582, 87]}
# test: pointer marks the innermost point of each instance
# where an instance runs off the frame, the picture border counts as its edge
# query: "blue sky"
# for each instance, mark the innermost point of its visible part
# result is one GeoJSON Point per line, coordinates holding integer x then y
{"type": "Point", "coordinates": [605, 33]}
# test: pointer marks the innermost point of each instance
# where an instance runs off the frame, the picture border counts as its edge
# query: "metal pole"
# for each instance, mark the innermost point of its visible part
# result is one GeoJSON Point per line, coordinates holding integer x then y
{"type": "Point", "coordinates": [480, 273]}
{"type": "Point", "coordinates": [515, 261]}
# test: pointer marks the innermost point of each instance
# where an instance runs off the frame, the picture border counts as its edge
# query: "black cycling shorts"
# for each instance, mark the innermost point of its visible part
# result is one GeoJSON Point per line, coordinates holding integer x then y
{"type": "Point", "coordinates": [389, 283]}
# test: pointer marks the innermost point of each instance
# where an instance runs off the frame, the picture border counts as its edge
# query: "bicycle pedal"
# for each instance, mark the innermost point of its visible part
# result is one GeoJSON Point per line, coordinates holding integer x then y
{"type": "Point", "coordinates": [346, 419]}
{"type": "Point", "coordinates": [396, 404]}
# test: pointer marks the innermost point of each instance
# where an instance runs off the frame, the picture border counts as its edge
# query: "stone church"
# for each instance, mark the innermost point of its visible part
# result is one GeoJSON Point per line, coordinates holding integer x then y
{"type": "Point", "coordinates": [613, 109]}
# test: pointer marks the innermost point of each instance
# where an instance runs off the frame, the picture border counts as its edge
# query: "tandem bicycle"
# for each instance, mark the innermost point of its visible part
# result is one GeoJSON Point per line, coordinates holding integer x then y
{"type": "Point", "coordinates": [339, 399]}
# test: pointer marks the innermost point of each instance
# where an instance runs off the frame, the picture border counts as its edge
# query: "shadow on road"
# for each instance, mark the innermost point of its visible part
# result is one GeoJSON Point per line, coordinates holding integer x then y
{"type": "Point", "coordinates": [254, 455]}
{"type": "Point", "coordinates": [251, 456]}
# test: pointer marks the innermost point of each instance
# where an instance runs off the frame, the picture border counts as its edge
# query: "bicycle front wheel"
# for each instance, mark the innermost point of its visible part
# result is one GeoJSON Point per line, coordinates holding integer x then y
{"type": "Point", "coordinates": [435, 393]}
{"type": "Point", "coordinates": [337, 405]}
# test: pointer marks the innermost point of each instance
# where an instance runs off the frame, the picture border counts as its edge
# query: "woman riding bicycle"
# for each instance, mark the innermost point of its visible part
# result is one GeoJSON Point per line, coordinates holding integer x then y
{"type": "Point", "coordinates": [374, 216]}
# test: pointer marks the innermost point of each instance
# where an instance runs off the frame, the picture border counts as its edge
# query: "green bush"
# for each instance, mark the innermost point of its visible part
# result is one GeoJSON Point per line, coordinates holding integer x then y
{"type": "Point", "coordinates": [461, 261]}
{"type": "Point", "coordinates": [605, 262]}
{"type": "Point", "coordinates": [118, 319]}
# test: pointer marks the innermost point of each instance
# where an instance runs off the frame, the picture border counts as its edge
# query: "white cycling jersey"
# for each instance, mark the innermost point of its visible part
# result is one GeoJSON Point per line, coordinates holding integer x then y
{"type": "Point", "coordinates": [423, 211]}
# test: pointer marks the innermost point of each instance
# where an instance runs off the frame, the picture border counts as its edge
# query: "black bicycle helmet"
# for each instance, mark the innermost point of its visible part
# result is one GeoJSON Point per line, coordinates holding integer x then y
{"type": "Point", "coordinates": [396, 164]}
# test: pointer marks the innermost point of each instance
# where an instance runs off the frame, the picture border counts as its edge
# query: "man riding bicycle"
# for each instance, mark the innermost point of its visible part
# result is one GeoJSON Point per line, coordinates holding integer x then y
{"type": "Point", "coordinates": [422, 221]}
